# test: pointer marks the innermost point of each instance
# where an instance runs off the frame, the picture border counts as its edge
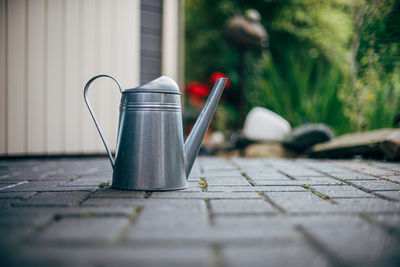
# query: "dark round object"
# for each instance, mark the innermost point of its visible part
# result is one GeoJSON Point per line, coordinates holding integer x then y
{"type": "Point", "coordinates": [307, 135]}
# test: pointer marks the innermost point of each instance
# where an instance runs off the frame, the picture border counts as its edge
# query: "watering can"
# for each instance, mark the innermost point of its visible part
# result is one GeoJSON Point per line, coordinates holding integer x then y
{"type": "Point", "coordinates": [151, 154]}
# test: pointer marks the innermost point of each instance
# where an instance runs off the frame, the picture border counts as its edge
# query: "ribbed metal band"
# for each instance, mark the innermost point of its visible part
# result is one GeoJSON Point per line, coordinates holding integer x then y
{"type": "Point", "coordinates": [150, 107]}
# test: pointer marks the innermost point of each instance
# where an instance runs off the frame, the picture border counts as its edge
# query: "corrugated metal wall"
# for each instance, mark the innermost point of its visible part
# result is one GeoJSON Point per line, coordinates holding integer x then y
{"type": "Point", "coordinates": [48, 50]}
{"type": "Point", "coordinates": [150, 39]}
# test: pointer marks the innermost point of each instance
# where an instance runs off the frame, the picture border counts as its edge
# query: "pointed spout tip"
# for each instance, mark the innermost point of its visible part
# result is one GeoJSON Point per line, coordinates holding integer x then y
{"type": "Point", "coordinates": [195, 138]}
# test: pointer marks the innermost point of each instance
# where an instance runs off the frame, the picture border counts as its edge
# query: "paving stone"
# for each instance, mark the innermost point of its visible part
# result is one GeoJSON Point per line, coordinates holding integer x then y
{"type": "Point", "coordinates": [83, 230]}
{"type": "Point", "coordinates": [18, 195]}
{"type": "Point", "coordinates": [380, 185]}
{"type": "Point", "coordinates": [112, 202]}
{"type": "Point", "coordinates": [12, 237]}
{"type": "Point", "coordinates": [365, 168]}
{"type": "Point", "coordinates": [194, 178]}
{"type": "Point", "coordinates": [227, 224]}
{"type": "Point", "coordinates": [278, 182]}
{"type": "Point", "coordinates": [205, 195]}
{"type": "Point", "coordinates": [280, 188]}
{"type": "Point", "coordinates": [287, 256]}
{"type": "Point", "coordinates": [392, 178]}
{"type": "Point", "coordinates": [389, 220]}
{"type": "Point", "coordinates": [26, 216]}
{"type": "Point", "coordinates": [212, 235]}
{"type": "Point", "coordinates": [357, 205]}
{"type": "Point", "coordinates": [32, 186]}
{"type": "Point", "coordinates": [266, 175]}
{"type": "Point", "coordinates": [358, 244]}
{"type": "Point", "coordinates": [340, 191]}
{"type": "Point", "coordinates": [87, 180]}
{"type": "Point", "coordinates": [311, 181]}
{"type": "Point", "coordinates": [242, 220]}
{"type": "Point", "coordinates": [175, 214]}
{"type": "Point", "coordinates": [6, 203]}
{"type": "Point", "coordinates": [198, 256]}
{"type": "Point", "coordinates": [55, 199]}
{"type": "Point", "coordinates": [350, 176]}
{"type": "Point", "coordinates": [300, 172]}
{"type": "Point", "coordinates": [389, 194]}
{"type": "Point", "coordinates": [241, 206]}
{"type": "Point", "coordinates": [193, 186]}
{"type": "Point", "coordinates": [232, 188]}
{"type": "Point", "coordinates": [63, 188]}
{"type": "Point", "coordinates": [268, 178]}
{"type": "Point", "coordinates": [23, 217]}
{"type": "Point", "coordinates": [387, 165]}
{"type": "Point", "coordinates": [300, 202]}
{"type": "Point", "coordinates": [317, 180]}
{"type": "Point", "coordinates": [111, 192]}
{"type": "Point", "coordinates": [226, 180]}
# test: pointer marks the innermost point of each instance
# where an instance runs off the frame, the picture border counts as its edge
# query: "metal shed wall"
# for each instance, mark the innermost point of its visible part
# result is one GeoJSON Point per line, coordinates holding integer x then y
{"type": "Point", "coordinates": [48, 51]}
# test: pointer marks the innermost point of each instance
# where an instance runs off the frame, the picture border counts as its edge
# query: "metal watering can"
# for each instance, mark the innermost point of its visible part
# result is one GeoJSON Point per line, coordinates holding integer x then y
{"type": "Point", "coordinates": [151, 154]}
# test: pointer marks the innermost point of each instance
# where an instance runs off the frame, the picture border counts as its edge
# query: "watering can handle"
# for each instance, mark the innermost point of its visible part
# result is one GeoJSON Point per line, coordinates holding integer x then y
{"type": "Point", "coordinates": [94, 118]}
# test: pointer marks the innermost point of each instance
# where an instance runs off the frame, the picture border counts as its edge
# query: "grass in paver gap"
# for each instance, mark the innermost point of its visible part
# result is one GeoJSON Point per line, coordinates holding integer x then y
{"type": "Point", "coordinates": [74, 178]}
{"type": "Point", "coordinates": [104, 184]}
{"type": "Point", "coordinates": [318, 194]}
{"type": "Point", "coordinates": [287, 175]}
{"type": "Point", "coordinates": [148, 194]}
{"type": "Point", "coordinates": [70, 180]}
{"type": "Point", "coordinates": [344, 181]}
{"type": "Point", "coordinates": [203, 184]}
{"type": "Point", "coordinates": [268, 200]}
{"type": "Point", "coordinates": [248, 179]}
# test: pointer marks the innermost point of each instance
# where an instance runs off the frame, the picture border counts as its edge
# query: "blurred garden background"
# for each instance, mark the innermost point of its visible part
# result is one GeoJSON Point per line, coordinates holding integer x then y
{"type": "Point", "coordinates": [335, 62]}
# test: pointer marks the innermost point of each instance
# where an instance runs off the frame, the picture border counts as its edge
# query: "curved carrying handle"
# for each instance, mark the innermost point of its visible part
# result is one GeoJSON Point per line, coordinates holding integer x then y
{"type": "Point", "coordinates": [94, 118]}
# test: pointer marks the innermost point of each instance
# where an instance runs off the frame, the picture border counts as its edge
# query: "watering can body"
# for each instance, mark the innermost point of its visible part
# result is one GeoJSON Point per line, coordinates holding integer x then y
{"type": "Point", "coordinates": [151, 154]}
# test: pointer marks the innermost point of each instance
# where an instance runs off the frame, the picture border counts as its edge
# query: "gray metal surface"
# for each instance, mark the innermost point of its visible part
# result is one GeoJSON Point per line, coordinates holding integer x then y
{"type": "Point", "coordinates": [151, 154]}
{"type": "Point", "coordinates": [85, 91]}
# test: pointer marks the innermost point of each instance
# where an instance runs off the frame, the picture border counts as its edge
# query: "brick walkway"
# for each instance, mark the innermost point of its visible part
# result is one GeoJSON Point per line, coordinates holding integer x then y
{"type": "Point", "coordinates": [254, 212]}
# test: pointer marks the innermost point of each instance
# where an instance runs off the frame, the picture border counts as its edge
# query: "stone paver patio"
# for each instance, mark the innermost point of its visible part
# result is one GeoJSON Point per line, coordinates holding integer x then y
{"type": "Point", "coordinates": [254, 212]}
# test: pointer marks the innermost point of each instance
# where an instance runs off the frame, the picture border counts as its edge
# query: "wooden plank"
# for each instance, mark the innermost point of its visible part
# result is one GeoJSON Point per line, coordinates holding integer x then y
{"type": "Point", "coordinates": [374, 143]}
{"type": "Point", "coordinates": [36, 91]}
{"type": "Point", "coordinates": [391, 145]}
{"type": "Point", "coordinates": [16, 91]}
{"type": "Point", "coordinates": [3, 77]}
{"type": "Point", "coordinates": [74, 106]}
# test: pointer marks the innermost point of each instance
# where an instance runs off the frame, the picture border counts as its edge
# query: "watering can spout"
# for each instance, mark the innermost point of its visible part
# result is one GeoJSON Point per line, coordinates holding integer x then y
{"type": "Point", "coordinates": [195, 138]}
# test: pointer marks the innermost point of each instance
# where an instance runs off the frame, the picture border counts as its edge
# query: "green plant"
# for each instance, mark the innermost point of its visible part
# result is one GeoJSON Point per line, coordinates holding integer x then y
{"type": "Point", "coordinates": [335, 61]}
{"type": "Point", "coordinates": [302, 89]}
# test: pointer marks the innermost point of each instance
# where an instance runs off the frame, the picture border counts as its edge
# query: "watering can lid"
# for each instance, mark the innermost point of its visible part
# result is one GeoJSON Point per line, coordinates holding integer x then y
{"type": "Point", "coordinates": [162, 84]}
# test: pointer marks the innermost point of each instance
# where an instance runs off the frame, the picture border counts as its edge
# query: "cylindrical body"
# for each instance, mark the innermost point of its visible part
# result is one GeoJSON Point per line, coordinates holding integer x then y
{"type": "Point", "coordinates": [150, 150]}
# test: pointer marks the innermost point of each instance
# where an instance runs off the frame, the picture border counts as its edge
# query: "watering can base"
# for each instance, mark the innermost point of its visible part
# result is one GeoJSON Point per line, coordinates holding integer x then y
{"type": "Point", "coordinates": [149, 189]}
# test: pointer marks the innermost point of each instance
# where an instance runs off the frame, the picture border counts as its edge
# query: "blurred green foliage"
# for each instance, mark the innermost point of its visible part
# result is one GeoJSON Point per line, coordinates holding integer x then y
{"type": "Point", "coordinates": [333, 61]}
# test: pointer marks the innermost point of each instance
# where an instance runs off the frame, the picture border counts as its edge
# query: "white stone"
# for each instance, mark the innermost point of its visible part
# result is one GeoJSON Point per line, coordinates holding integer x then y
{"type": "Point", "coordinates": [262, 124]}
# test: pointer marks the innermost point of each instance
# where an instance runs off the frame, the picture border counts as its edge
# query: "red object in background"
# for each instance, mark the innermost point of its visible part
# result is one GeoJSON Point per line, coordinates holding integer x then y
{"type": "Point", "coordinates": [215, 75]}
{"type": "Point", "coordinates": [196, 101]}
{"type": "Point", "coordinates": [197, 89]}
